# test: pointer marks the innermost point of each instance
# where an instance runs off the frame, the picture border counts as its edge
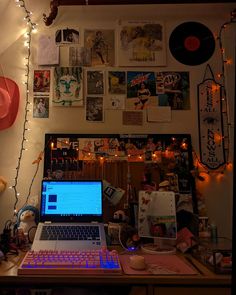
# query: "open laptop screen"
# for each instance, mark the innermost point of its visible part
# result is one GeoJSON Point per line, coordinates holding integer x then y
{"type": "Point", "coordinates": [71, 200]}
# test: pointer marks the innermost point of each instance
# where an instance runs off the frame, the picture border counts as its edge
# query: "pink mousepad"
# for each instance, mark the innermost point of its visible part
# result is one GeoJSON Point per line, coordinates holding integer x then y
{"type": "Point", "coordinates": [163, 264]}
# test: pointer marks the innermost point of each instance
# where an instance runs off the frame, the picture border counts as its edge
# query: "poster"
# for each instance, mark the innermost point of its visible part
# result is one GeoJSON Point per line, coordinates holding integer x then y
{"type": "Point", "coordinates": [95, 82]}
{"type": "Point", "coordinates": [141, 43]}
{"type": "Point", "coordinates": [172, 89]}
{"type": "Point", "coordinates": [67, 36]}
{"type": "Point", "coordinates": [116, 82]}
{"type": "Point", "coordinates": [68, 86]}
{"type": "Point", "coordinates": [141, 90]}
{"type": "Point", "coordinates": [102, 45]}
{"type": "Point", "coordinates": [79, 56]}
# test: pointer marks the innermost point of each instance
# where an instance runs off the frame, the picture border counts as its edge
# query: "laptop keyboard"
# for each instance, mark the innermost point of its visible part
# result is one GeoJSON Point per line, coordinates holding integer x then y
{"type": "Point", "coordinates": [70, 232]}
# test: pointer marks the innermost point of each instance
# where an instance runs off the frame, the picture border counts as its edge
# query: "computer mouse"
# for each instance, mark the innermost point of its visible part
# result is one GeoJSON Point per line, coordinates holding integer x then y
{"type": "Point", "coordinates": [137, 262]}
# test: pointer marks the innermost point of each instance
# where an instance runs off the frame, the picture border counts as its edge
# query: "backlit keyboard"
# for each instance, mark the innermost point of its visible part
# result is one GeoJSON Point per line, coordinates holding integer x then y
{"type": "Point", "coordinates": [70, 232]}
{"type": "Point", "coordinates": [70, 262]}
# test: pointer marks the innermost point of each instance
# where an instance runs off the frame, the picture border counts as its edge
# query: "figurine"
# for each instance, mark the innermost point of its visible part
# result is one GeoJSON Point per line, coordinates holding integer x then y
{"type": "Point", "coordinates": [27, 220]}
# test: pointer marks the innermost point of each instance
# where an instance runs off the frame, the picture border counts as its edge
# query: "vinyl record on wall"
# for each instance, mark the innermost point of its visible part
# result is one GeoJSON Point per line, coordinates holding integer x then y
{"type": "Point", "coordinates": [192, 43]}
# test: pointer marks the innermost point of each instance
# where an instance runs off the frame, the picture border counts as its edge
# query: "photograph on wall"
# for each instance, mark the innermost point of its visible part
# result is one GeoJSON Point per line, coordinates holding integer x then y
{"type": "Point", "coordinates": [67, 36]}
{"type": "Point", "coordinates": [172, 89]}
{"type": "Point", "coordinates": [95, 82]}
{"type": "Point", "coordinates": [41, 81]}
{"type": "Point", "coordinates": [141, 43]}
{"type": "Point", "coordinates": [41, 106]}
{"type": "Point", "coordinates": [79, 56]}
{"type": "Point", "coordinates": [115, 102]}
{"type": "Point", "coordinates": [68, 86]}
{"type": "Point", "coordinates": [94, 109]}
{"type": "Point", "coordinates": [102, 46]}
{"type": "Point", "coordinates": [117, 82]}
{"type": "Point", "coordinates": [141, 90]}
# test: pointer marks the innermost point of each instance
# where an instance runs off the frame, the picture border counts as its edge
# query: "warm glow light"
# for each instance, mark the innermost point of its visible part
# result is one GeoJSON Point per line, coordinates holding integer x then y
{"type": "Point", "coordinates": [220, 176]}
{"type": "Point", "coordinates": [217, 138]}
{"type": "Point", "coordinates": [215, 87]}
{"type": "Point", "coordinates": [184, 145]}
{"type": "Point", "coordinates": [228, 61]}
{"type": "Point", "coordinates": [229, 166]}
{"type": "Point", "coordinates": [52, 145]}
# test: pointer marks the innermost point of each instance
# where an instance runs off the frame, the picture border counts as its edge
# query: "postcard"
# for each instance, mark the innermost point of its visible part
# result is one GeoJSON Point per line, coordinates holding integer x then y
{"type": "Point", "coordinates": [132, 118]}
{"type": "Point", "coordinates": [41, 81]}
{"type": "Point", "coordinates": [94, 109]}
{"type": "Point", "coordinates": [41, 107]}
{"type": "Point", "coordinates": [115, 102]}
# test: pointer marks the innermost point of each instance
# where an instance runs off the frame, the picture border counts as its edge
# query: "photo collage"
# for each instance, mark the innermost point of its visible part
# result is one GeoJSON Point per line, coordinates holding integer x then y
{"type": "Point", "coordinates": [102, 75]}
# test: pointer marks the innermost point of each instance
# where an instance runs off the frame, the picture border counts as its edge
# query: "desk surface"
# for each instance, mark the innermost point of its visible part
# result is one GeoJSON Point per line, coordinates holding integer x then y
{"type": "Point", "coordinates": [204, 277]}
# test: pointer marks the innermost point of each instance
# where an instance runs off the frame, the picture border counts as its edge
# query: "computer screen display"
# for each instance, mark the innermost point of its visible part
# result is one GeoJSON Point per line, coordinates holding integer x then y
{"type": "Point", "coordinates": [72, 199]}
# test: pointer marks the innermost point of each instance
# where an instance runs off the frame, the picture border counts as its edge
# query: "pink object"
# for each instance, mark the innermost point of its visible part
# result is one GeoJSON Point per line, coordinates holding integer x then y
{"type": "Point", "coordinates": [9, 102]}
{"type": "Point", "coordinates": [158, 265]}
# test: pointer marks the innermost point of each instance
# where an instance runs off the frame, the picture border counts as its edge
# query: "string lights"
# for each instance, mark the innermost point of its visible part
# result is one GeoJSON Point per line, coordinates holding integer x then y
{"type": "Point", "coordinates": [201, 171]}
{"type": "Point", "coordinates": [31, 28]}
{"type": "Point", "coordinates": [225, 61]}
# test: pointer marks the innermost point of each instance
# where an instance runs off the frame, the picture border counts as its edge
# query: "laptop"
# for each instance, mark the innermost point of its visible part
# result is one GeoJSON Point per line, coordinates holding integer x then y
{"type": "Point", "coordinates": [68, 207]}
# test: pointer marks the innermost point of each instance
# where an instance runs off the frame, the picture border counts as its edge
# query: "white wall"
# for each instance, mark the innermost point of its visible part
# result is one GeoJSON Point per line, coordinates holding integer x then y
{"type": "Point", "coordinates": [217, 193]}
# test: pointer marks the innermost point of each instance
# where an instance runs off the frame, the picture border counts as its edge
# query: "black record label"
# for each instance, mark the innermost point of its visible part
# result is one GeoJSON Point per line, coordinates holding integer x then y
{"type": "Point", "coordinates": [192, 43]}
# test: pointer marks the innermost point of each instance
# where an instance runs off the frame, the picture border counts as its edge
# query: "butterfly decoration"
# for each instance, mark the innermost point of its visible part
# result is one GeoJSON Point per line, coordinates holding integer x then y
{"type": "Point", "coordinates": [145, 201]}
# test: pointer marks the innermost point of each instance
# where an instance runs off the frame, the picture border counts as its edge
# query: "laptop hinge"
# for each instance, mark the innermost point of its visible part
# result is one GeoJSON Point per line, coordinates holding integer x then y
{"type": "Point", "coordinates": [47, 222]}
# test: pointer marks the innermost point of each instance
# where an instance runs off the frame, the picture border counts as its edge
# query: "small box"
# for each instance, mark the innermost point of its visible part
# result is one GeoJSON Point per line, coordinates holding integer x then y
{"type": "Point", "coordinates": [215, 255]}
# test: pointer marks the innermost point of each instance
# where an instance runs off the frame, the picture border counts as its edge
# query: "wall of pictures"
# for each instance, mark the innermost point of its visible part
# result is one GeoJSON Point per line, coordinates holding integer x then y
{"type": "Point", "coordinates": [110, 70]}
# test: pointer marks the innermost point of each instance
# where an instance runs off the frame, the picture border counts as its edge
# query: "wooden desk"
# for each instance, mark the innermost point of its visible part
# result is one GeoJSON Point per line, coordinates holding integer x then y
{"type": "Point", "coordinates": [204, 283]}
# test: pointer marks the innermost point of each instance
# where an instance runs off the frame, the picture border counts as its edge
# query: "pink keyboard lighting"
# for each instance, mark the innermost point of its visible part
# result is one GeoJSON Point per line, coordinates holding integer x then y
{"type": "Point", "coordinates": [84, 262]}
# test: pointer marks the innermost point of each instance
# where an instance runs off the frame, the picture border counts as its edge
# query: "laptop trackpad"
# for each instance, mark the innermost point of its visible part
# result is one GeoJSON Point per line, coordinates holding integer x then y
{"type": "Point", "coordinates": [75, 245]}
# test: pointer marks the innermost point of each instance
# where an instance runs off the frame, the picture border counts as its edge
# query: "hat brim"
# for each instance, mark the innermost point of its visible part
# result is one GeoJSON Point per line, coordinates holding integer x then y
{"type": "Point", "coordinates": [14, 95]}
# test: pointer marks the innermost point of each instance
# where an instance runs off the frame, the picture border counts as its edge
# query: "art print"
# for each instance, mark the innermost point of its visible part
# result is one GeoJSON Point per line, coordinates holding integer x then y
{"type": "Point", "coordinates": [102, 44]}
{"type": "Point", "coordinates": [116, 82]}
{"type": "Point", "coordinates": [41, 81]}
{"type": "Point", "coordinates": [115, 102]}
{"type": "Point", "coordinates": [41, 107]}
{"type": "Point", "coordinates": [173, 90]}
{"type": "Point", "coordinates": [68, 86]}
{"type": "Point", "coordinates": [94, 109]}
{"type": "Point", "coordinates": [92, 148]}
{"type": "Point", "coordinates": [95, 82]}
{"type": "Point", "coordinates": [67, 36]}
{"type": "Point", "coordinates": [141, 44]}
{"type": "Point", "coordinates": [141, 90]}
{"type": "Point", "coordinates": [79, 56]}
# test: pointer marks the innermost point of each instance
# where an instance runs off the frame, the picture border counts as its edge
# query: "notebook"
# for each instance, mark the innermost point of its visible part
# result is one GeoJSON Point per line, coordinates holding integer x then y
{"type": "Point", "coordinates": [70, 206]}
